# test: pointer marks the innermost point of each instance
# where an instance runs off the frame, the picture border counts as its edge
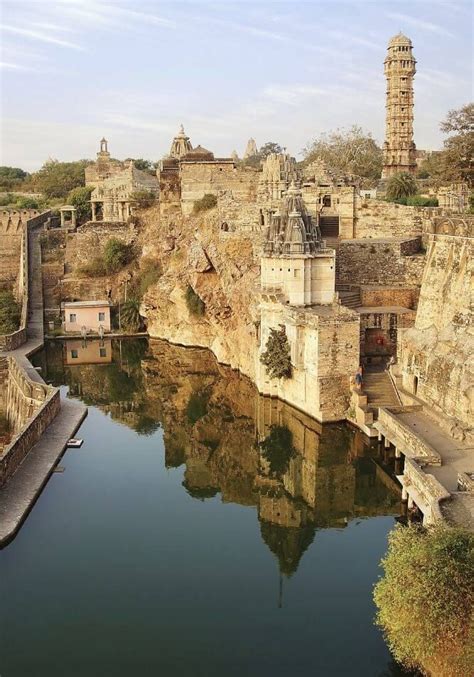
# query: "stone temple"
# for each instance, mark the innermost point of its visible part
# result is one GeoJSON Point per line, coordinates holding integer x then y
{"type": "Point", "coordinates": [400, 68]}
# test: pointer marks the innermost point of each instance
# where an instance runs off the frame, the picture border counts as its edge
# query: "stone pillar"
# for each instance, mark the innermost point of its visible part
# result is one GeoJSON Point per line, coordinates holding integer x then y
{"type": "Point", "coordinates": [410, 502]}
{"type": "Point", "coordinates": [397, 453]}
{"type": "Point", "coordinates": [73, 218]}
{"type": "Point", "coordinates": [386, 443]}
{"type": "Point", "coordinates": [404, 494]}
{"type": "Point", "coordinates": [62, 218]}
{"type": "Point", "coordinates": [94, 215]}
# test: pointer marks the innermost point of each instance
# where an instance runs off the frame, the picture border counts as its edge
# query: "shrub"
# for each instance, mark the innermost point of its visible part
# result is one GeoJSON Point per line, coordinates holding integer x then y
{"type": "Point", "coordinates": [143, 199]}
{"type": "Point", "coordinates": [94, 268]}
{"type": "Point", "coordinates": [149, 273]}
{"type": "Point", "coordinates": [277, 356]}
{"type": "Point", "coordinates": [425, 600]}
{"type": "Point", "coordinates": [116, 255]}
{"type": "Point", "coordinates": [194, 302]}
{"type": "Point", "coordinates": [10, 313]}
{"type": "Point", "coordinates": [6, 199]}
{"type": "Point", "coordinates": [208, 201]}
{"type": "Point", "coordinates": [27, 203]}
{"type": "Point", "coordinates": [419, 201]}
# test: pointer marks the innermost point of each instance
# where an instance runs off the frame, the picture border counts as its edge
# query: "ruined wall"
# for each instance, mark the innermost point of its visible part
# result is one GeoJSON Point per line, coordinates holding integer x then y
{"type": "Point", "coordinates": [379, 331]}
{"type": "Point", "coordinates": [199, 178]}
{"type": "Point", "coordinates": [404, 297]}
{"type": "Point", "coordinates": [378, 219]}
{"type": "Point", "coordinates": [395, 263]}
{"type": "Point", "coordinates": [437, 355]}
{"type": "Point", "coordinates": [30, 408]}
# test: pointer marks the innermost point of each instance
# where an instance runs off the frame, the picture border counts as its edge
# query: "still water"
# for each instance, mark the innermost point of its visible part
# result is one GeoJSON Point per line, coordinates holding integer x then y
{"type": "Point", "coordinates": [200, 530]}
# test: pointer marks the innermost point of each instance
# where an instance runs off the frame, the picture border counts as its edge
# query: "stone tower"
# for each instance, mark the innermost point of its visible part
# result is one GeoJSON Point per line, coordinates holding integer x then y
{"type": "Point", "coordinates": [400, 67]}
{"type": "Point", "coordinates": [251, 149]}
{"type": "Point", "coordinates": [180, 144]}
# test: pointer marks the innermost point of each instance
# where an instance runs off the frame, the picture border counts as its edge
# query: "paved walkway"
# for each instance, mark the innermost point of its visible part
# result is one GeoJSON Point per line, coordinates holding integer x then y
{"type": "Point", "coordinates": [18, 496]}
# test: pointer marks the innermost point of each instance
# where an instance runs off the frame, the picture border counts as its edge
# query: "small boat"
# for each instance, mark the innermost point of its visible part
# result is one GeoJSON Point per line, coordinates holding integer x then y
{"type": "Point", "coordinates": [74, 443]}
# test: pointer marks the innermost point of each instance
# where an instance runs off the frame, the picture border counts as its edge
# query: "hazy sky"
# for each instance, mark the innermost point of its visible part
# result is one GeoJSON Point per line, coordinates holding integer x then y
{"type": "Point", "coordinates": [76, 70]}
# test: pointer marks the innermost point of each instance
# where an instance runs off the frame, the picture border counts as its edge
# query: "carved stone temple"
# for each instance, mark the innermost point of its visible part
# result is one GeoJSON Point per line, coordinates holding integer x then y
{"type": "Point", "coordinates": [400, 68]}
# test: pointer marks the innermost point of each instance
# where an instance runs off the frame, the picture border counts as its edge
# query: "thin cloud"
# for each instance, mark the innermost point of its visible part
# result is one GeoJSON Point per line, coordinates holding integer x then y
{"type": "Point", "coordinates": [8, 66]}
{"type": "Point", "coordinates": [34, 35]}
{"type": "Point", "coordinates": [420, 23]}
{"type": "Point", "coordinates": [112, 16]}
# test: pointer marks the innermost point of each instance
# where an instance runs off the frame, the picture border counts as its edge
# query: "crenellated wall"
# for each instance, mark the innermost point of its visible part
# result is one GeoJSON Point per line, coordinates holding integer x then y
{"type": "Point", "coordinates": [30, 406]}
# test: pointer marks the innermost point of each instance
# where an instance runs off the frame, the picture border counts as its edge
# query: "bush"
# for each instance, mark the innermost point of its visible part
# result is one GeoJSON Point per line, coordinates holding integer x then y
{"type": "Point", "coordinates": [116, 255]}
{"type": "Point", "coordinates": [149, 273]}
{"type": "Point", "coordinates": [401, 186]}
{"type": "Point", "coordinates": [277, 448]}
{"type": "Point", "coordinates": [130, 315]}
{"type": "Point", "coordinates": [94, 268]}
{"type": "Point", "coordinates": [425, 600]}
{"type": "Point", "coordinates": [419, 201]}
{"type": "Point", "coordinates": [6, 199]}
{"type": "Point", "coordinates": [277, 357]}
{"type": "Point", "coordinates": [208, 201]}
{"type": "Point", "coordinates": [10, 313]}
{"type": "Point", "coordinates": [27, 203]}
{"type": "Point", "coordinates": [194, 302]}
{"type": "Point", "coordinates": [143, 199]}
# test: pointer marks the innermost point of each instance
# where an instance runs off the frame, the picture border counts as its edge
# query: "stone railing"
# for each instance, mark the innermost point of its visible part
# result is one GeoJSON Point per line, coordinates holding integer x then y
{"type": "Point", "coordinates": [403, 437]}
{"type": "Point", "coordinates": [17, 338]}
{"type": "Point", "coordinates": [465, 482]}
{"type": "Point", "coordinates": [425, 490]}
{"type": "Point", "coordinates": [34, 402]}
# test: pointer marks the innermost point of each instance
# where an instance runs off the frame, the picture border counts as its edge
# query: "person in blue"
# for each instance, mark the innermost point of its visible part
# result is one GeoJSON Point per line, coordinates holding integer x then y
{"type": "Point", "coordinates": [358, 378]}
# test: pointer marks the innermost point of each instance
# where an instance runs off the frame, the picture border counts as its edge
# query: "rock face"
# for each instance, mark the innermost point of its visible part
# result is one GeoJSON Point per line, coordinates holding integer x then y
{"type": "Point", "coordinates": [222, 269]}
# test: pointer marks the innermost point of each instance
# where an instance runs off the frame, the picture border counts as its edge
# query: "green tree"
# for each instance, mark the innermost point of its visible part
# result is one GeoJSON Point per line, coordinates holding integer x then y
{"type": "Point", "coordinates": [10, 313]}
{"type": "Point", "coordinates": [56, 179]}
{"type": "Point", "coordinates": [11, 177]}
{"type": "Point", "coordinates": [425, 600]}
{"type": "Point", "coordinates": [116, 255]}
{"type": "Point", "coordinates": [276, 356]}
{"type": "Point", "coordinates": [80, 199]}
{"type": "Point", "coordinates": [130, 315]}
{"type": "Point", "coordinates": [351, 151]}
{"type": "Point", "coordinates": [145, 165]}
{"type": "Point", "coordinates": [143, 199]}
{"type": "Point", "coordinates": [401, 186]}
{"type": "Point", "coordinates": [27, 203]}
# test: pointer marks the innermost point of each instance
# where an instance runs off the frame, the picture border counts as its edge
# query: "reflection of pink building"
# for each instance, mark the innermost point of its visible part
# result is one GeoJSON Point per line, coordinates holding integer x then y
{"type": "Point", "coordinates": [88, 352]}
{"type": "Point", "coordinates": [89, 314]}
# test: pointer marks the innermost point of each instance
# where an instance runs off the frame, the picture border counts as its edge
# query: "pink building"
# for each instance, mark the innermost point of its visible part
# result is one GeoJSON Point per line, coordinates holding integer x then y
{"type": "Point", "coordinates": [89, 314]}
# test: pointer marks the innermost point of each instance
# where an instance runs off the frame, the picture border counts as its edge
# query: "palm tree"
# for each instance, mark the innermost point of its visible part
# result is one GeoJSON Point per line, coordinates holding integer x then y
{"type": "Point", "coordinates": [130, 315]}
{"type": "Point", "coordinates": [401, 186]}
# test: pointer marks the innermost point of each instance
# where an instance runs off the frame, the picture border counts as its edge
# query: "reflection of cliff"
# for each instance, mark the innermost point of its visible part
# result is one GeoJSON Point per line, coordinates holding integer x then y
{"type": "Point", "coordinates": [251, 450]}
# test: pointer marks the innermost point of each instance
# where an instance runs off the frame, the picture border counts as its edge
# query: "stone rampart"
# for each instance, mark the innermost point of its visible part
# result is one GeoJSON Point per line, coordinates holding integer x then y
{"type": "Point", "coordinates": [90, 239]}
{"type": "Point", "coordinates": [200, 178]}
{"type": "Point", "coordinates": [395, 263]}
{"type": "Point", "coordinates": [379, 219]}
{"type": "Point", "coordinates": [30, 408]}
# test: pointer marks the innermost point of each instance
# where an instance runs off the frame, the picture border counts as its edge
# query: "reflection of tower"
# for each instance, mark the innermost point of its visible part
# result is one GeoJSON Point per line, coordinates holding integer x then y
{"type": "Point", "coordinates": [400, 68]}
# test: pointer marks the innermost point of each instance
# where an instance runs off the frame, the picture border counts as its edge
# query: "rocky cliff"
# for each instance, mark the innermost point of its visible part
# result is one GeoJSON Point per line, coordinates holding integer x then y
{"type": "Point", "coordinates": [221, 268]}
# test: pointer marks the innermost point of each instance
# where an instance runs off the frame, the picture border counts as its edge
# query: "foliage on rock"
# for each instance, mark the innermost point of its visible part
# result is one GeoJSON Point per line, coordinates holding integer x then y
{"type": "Point", "coordinates": [117, 254]}
{"type": "Point", "coordinates": [277, 448]}
{"type": "Point", "coordinates": [10, 313]}
{"type": "Point", "coordinates": [277, 354]}
{"type": "Point", "coordinates": [425, 600]}
{"type": "Point", "coordinates": [194, 302]}
{"type": "Point", "coordinates": [401, 186]}
{"type": "Point", "coordinates": [148, 274]}
{"type": "Point", "coordinates": [208, 201]}
{"type": "Point", "coordinates": [130, 315]}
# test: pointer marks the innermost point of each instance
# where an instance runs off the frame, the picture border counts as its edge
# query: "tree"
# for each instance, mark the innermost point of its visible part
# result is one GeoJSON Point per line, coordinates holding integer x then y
{"type": "Point", "coordinates": [145, 165]}
{"type": "Point", "coordinates": [276, 356]}
{"type": "Point", "coordinates": [143, 199]}
{"type": "Point", "coordinates": [57, 179]}
{"type": "Point", "coordinates": [130, 315]}
{"type": "Point", "coordinates": [401, 186]}
{"type": "Point", "coordinates": [11, 177]}
{"type": "Point", "coordinates": [80, 199]}
{"type": "Point", "coordinates": [267, 149]}
{"type": "Point", "coordinates": [350, 151]}
{"type": "Point", "coordinates": [425, 599]}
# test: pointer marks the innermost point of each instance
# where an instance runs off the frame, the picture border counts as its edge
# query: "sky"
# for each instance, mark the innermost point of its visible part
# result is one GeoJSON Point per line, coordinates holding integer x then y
{"type": "Point", "coordinates": [73, 71]}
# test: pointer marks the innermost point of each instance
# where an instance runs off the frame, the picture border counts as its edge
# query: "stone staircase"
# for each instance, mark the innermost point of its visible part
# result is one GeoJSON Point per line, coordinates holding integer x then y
{"type": "Point", "coordinates": [380, 390]}
{"type": "Point", "coordinates": [350, 298]}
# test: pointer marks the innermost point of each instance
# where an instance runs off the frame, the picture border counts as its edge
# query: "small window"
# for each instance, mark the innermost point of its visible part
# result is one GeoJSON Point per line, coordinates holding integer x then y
{"type": "Point", "coordinates": [101, 317]}
{"type": "Point", "coordinates": [72, 318]}
{"type": "Point", "coordinates": [296, 272]}
{"type": "Point", "coordinates": [74, 354]}
{"type": "Point", "coordinates": [103, 352]}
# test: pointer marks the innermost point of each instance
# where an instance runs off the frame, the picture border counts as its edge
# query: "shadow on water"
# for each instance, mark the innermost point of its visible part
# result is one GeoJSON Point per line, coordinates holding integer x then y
{"type": "Point", "coordinates": [238, 471]}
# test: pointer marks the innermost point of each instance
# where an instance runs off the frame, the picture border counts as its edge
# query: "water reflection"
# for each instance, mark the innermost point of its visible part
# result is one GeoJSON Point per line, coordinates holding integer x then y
{"type": "Point", "coordinates": [252, 450]}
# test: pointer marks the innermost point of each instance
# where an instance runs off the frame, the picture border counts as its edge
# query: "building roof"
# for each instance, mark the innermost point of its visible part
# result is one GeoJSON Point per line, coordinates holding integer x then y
{"type": "Point", "coordinates": [399, 39]}
{"type": "Point", "coordinates": [86, 304]}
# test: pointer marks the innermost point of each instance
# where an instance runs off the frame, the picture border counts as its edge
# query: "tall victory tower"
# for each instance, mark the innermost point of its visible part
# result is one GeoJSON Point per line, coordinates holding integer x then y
{"type": "Point", "coordinates": [400, 68]}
